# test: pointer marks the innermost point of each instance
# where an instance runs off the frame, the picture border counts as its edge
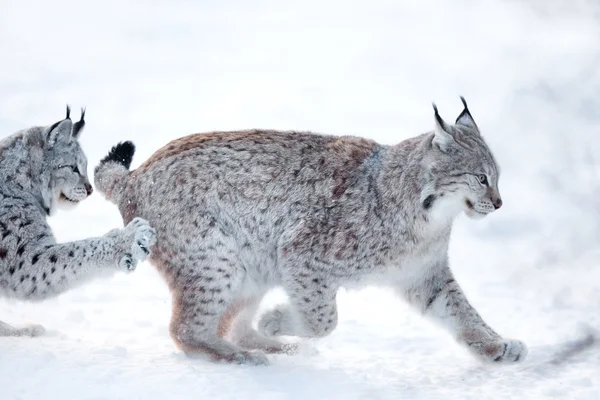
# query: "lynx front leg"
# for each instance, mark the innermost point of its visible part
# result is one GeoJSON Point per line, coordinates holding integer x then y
{"type": "Point", "coordinates": [44, 269]}
{"type": "Point", "coordinates": [29, 330]}
{"type": "Point", "coordinates": [440, 297]}
{"type": "Point", "coordinates": [312, 311]}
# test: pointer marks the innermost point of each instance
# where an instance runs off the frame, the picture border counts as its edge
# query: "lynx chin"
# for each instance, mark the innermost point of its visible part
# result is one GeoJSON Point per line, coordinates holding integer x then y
{"type": "Point", "coordinates": [42, 169]}
{"type": "Point", "coordinates": [238, 213]}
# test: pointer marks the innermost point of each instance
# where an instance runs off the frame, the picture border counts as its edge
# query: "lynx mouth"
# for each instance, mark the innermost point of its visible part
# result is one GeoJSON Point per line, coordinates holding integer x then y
{"type": "Point", "coordinates": [65, 198]}
{"type": "Point", "coordinates": [471, 208]}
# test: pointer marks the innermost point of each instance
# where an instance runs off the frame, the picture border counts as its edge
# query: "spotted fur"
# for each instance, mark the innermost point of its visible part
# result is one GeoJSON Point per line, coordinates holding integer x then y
{"type": "Point", "coordinates": [42, 169]}
{"type": "Point", "coordinates": [238, 213]}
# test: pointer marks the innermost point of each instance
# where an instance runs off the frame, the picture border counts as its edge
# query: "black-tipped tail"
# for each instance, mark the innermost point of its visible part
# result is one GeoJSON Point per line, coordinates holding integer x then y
{"type": "Point", "coordinates": [110, 176]}
{"type": "Point", "coordinates": [122, 153]}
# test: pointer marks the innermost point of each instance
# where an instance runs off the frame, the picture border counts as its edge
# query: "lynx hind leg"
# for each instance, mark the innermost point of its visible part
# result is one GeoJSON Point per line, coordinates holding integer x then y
{"type": "Point", "coordinates": [237, 325]}
{"type": "Point", "coordinates": [200, 302]}
{"type": "Point", "coordinates": [195, 329]}
{"type": "Point", "coordinates": [27, 330]}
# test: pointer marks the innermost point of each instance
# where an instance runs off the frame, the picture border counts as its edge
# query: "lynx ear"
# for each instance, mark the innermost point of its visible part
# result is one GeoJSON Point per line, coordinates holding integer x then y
{"type": "Point", "coordinates": [465, 118]}
{"type": "Point", "coordinates": [443, 138]}
{"type": "Point", "coordinates": [60, 131]}
{"type": "Point", "coordinates": [79, 125]}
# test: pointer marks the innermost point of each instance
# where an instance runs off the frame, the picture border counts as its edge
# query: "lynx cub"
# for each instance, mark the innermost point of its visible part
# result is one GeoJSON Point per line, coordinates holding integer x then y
{"type": "Point", "coordinates": [238, 213]}
{"type": "Point", "coordinates": [42, 168]}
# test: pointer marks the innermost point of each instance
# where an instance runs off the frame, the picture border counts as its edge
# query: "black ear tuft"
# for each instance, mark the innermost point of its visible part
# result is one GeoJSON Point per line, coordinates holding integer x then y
{"type": "Point", "coordinates": [465, 118]}
{"type": "Point", "coordinates": [439, 119]}
{"type": "Point", "coordinates": [437, 115]}
{"type": "Point", "coordinates": [465, 111]}
{"type": "Point", "coordinates": [78, 127]}
{"type": "Point", "coordinates": [68, 112]}
{"type": "Point", "coordinates": [122, 154]}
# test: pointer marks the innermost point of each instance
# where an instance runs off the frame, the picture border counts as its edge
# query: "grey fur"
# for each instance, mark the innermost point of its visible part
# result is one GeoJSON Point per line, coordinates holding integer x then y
{"type": "Point", "coordinates": [238, 213]}
{"type": "Point", "coordinates": [41, 169]}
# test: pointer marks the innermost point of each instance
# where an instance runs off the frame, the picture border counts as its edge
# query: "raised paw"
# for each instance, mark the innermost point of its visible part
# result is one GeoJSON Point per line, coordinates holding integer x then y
{"type": "Point", "coordinates": [144, 239]}
{"type": "Point", "coordinates": [127, 262]}
{"type": "Point", "coordinates": [139, 239]}
{"type": "Point", "coordinates": [270, 323]}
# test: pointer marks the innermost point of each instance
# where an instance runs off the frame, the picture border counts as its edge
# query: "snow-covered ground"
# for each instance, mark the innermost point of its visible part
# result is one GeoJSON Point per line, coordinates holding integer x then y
{"type": "Point", "coordinates": [154, 71]}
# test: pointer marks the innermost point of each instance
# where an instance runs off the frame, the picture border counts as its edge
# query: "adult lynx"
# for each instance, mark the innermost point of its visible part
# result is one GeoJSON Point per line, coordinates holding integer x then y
{"type": "Point", "coordinates": [238, 213]}
{"type": "Point", "coordinates": [42, 168]}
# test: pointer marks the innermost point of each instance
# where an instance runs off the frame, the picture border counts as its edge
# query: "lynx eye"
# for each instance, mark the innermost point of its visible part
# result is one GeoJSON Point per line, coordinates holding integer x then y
{"type": "Point", "coordinates": [483, 179]}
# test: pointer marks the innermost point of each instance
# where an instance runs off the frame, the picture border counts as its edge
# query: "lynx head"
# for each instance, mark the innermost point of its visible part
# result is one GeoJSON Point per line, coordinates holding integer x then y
{"type": "Point", "coordinates": [461, 169]}
{"type": "Point", "coordinates": [65, 163]}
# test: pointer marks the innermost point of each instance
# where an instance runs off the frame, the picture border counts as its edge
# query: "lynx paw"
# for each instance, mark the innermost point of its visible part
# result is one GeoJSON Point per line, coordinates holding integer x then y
{"type": "Point", "coordinates": [512, 351]}
{"type": "Point", "coordinates": [503, 351]}
{"type": "Point", "coordinates": [32, 330]}
{"type": "Point", "coordinates": [271, 323]}
{"type": "Point", "coordinates": [143, 237]}
{"type": "Point", "coordinates": [249, 358]}
{"type": "Point", "coordinates": [127, 263]}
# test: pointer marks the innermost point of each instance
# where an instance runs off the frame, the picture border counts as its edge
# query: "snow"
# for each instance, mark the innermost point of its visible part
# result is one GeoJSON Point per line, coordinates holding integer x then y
{"type": "Point", "coordinates": [154, 71]}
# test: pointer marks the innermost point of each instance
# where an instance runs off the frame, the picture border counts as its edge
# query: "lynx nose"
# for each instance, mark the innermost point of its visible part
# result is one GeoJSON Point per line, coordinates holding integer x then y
{"type": "Point", "coordinates": [88, 189]}
{"type": "Point", "coordinates": [497, 202]}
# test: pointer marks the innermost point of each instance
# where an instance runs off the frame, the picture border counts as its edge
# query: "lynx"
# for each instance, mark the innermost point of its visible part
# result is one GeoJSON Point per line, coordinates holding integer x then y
{"type": "Point", "coordinates": [239, 213]}
{"type": "Point", "coordinates": [43, 169]}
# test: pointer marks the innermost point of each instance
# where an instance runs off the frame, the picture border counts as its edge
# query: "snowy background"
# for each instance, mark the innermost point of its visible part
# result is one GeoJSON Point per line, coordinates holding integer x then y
{"type": "Point", "coordinates": [152, 71]}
